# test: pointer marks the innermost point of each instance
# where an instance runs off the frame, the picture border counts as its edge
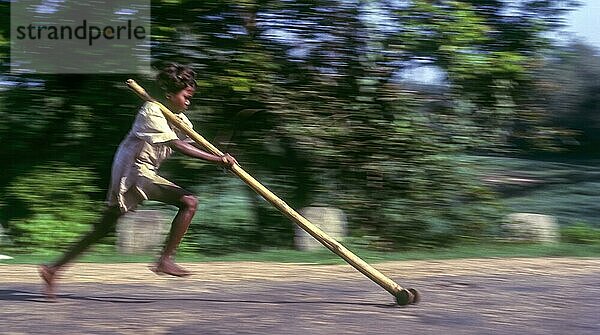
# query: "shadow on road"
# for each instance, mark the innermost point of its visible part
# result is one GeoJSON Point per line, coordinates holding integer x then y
{"type": "Point", "coordinates": [28, 296]}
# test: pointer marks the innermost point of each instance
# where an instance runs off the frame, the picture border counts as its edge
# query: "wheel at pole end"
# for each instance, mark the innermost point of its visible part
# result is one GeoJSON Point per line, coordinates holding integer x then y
{"type": "Point", "coordinates": [416, 295]}
{"type": "Point", "coordinates": [404, 297]}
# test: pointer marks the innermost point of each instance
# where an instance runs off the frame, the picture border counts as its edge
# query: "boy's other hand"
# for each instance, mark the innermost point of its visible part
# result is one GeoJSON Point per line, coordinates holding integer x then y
{"type": "Point", "coordinates": [228, 161]}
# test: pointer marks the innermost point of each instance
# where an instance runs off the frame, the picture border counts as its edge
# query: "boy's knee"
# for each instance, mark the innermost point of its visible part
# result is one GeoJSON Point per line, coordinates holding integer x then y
{"type": "Point", "coordinates": [112, 213]}
{"type": "Point", "coordinates": [104, 228]}
{"type": "Point", "coordinates": [108, 223]}
{"type": "Point", "coordinates": [189, 202]}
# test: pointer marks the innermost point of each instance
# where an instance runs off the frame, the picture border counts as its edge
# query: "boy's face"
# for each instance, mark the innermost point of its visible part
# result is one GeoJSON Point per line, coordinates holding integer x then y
{"type": "Point", "coordinates": [180, 101]}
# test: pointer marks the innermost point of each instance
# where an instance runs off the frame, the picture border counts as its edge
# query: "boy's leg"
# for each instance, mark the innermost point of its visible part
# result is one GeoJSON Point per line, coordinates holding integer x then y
{"type": "Point", "coordinates": [187, 203]}
{"type": "Point", "coordinates": [101, 229]}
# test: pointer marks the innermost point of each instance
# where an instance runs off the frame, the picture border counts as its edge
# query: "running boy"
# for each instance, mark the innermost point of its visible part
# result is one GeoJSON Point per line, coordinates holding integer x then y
{"type": "Point", "coordinates": [135, 174]}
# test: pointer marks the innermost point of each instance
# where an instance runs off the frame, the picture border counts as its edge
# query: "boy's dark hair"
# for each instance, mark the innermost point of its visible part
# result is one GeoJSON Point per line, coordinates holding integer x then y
{"type": "Point", "coordinates": [175, 77]}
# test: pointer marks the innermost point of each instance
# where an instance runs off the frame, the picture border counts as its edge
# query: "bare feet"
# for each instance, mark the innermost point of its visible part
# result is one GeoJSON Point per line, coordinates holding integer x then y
{"type": "Point", "coordinates": [167, 266]}
{"type": "Point", "coordinates": [48, 273]}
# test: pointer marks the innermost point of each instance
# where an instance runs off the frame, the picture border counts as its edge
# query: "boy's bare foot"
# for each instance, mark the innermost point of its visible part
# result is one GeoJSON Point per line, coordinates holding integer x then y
{"type": "Point", "coordinates": [47, 274]}
{"type": "Point", "coordinates": [167, 266]}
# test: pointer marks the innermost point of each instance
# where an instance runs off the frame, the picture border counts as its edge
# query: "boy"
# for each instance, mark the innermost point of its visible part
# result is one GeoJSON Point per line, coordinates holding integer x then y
{"type": "Point", "coordinates": [135, 174]}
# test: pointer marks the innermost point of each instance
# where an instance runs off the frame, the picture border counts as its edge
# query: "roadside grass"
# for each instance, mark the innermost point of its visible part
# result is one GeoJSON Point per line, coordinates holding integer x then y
{"type": "Point", "coordinates": [568, 190]}
{"type": "Point", "coordinates": [325, 257]}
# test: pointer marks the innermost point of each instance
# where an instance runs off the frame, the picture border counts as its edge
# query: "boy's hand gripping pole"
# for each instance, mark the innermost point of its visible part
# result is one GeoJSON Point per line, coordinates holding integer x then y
{"type": "Point", "coordinates": [403, 296]}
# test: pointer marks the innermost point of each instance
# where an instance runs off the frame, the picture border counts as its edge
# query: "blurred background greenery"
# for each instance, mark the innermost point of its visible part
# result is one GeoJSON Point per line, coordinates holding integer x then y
{"type": "Point", "coordinates": [404, 114]}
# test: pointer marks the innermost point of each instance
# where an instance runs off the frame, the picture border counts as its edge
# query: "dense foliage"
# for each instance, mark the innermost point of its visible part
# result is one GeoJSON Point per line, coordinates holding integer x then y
{"type": "Point", "coordinates": [320, 100]}
{"type": "Point", "coordinates": [55, 206]}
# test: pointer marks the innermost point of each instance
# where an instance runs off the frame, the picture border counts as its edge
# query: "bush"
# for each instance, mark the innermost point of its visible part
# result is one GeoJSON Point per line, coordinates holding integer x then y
{"type": "Point", "coordinates": [4, 241]}
{"type": "Point", "coordinates": [225, 221]}
{"type": "Point", "coordinates": [53, 206]}
{"type": "Point", "coordinates": [580, 233]}
{"type": "Point", "coordinates": [436, 203]}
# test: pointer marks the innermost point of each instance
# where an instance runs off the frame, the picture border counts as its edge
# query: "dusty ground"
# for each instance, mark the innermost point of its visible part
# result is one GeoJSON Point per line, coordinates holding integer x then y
{"type": "Point", "coordinates": [492, 296]}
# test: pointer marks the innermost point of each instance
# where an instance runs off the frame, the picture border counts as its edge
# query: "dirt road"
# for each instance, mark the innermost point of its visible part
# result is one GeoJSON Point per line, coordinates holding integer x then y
{"type": "Point", "coordinates": [490, 296]}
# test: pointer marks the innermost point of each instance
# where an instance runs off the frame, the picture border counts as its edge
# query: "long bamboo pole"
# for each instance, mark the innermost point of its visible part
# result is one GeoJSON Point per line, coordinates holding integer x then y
{"type": "Point", "coordinates": [403, 296]}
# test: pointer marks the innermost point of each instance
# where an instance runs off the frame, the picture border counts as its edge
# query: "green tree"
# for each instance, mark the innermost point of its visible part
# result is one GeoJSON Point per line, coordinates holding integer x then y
{"type": "Point", "coordinates": [568, 90]}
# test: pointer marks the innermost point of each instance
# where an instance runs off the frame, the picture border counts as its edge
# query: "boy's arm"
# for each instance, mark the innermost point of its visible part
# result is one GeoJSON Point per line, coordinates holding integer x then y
{"type": "Point", "coordinates": [190, 150]}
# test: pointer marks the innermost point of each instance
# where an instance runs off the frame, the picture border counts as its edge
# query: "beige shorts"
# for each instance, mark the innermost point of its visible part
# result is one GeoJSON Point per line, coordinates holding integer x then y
{"type": "Point", "coordinates": [156, 189]}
